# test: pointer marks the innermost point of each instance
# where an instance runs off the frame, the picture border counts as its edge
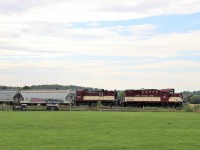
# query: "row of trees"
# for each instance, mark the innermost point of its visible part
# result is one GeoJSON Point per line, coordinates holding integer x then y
{"type": "Point", "coordinates": [47, 87]}
{"type": "Point", "coordinates": [56, 87]}
{"type": "Point", "coordinates": [192, 97]}
{"type": "Point", "coordinates": [3, 87]}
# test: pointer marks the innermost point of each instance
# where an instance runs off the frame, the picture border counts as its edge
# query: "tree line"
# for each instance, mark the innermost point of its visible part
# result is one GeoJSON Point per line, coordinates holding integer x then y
{"type": "Point", "coordinates": [46, 87]}
{"type": "Point", "coordinates": [192, 97]}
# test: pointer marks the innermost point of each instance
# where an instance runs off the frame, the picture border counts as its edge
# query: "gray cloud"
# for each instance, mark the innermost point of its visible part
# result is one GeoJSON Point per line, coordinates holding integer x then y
{"type": "Point", "coordinates": [143, 6]}
{"type": "Point", "coordinates": [153, 6]}
{"type": "Point", "coordinates": [19, 6]}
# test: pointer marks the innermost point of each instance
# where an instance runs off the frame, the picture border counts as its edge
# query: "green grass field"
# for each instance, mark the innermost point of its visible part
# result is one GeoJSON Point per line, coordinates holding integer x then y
{"type": "Point", "coordinates": [99, 130]}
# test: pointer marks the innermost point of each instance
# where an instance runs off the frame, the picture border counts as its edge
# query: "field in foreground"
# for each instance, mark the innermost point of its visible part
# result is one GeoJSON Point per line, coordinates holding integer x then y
{"type": "Point", "coordinates": [99, 130]}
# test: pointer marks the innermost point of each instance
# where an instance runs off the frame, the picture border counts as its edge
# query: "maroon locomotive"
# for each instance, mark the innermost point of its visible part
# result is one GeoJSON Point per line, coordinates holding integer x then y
{"type": "Point", "coordinates": [152, 97]}
{"type": "Point", "coordinates": [86, 97]}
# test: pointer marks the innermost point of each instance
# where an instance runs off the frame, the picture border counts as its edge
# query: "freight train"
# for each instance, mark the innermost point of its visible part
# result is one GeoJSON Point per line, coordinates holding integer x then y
{"type": "Point", "coordinates": [132, 97]}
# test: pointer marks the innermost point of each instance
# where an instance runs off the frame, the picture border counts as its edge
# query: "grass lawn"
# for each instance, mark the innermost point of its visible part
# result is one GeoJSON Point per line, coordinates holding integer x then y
{"type": "Point", "coordinates": [99, 130]}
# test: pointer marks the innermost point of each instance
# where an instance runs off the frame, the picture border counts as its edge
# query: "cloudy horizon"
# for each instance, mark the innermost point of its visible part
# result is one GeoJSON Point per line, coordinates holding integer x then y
{"type": "Point", "coordinates": [104, 44]}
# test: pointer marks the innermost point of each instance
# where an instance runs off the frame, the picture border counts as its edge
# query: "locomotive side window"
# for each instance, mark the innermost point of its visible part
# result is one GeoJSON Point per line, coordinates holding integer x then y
{"type": "Point", "coordinates": [171, 92]}
{"type": "Point", "coordinates": [78, 94]}
{"type": "Point", "coordinates": [101, 94]}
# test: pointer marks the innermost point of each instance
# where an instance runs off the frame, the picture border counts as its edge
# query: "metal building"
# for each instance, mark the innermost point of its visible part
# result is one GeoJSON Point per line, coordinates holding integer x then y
{"type": "Point", "coordinates": [10, 97]}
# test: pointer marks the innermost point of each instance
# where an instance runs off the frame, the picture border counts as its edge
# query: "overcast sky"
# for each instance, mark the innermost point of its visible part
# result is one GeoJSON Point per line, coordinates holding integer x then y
{"type": "Point", "coordinates": [113, 44]}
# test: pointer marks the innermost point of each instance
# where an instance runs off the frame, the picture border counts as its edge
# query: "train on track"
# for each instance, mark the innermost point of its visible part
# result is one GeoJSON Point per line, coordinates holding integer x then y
{"type": "Point", "coordinates": [132, 97]}
{"type": "Point", "coordinates": [129, 98]}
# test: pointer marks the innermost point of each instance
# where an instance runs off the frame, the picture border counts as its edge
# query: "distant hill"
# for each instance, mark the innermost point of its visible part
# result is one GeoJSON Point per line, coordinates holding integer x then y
{"type": "Point", "coordinates": [58, 87]}
{"type": "Point", "coordinates": [3, 87]}
{"type": "Point", "coordinates": [47, 87]}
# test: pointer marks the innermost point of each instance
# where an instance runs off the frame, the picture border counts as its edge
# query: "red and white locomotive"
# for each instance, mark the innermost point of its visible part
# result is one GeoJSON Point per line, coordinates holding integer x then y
{"type": "Point", "coordinates": [152, 97]}
{"type": "Point", "coordinates": [142, 97]}
{"type": "Point", "coordinates": [86, 97]}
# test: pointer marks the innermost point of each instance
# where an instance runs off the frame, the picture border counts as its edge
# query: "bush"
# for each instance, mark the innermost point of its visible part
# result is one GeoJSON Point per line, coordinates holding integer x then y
{"type": "Point", "coordinates": [187, 107]}
{"type": "Point", "coordinates": [196, 108]}
{"type": "Point", "coordinates": [195, 99]}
